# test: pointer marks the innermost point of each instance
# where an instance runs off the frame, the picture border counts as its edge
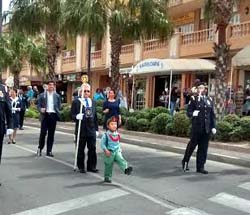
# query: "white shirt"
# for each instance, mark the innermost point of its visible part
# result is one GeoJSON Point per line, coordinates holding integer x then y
{"type": "Point", "coordinates": [83, 101]}
{"type": "Point", "coordinates": [50, 103]}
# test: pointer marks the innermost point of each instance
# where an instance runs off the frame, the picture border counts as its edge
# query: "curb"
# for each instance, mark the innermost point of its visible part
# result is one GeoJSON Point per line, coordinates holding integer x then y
{"type": "Point", "coordinates": [181, 150]}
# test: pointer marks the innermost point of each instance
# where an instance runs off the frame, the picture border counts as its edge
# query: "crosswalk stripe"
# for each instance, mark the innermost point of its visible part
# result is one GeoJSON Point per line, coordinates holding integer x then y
{"type": "Point", "coordinates": [232, 202]}
{"type": "Point", "coordinates": [245, 186]}
{"type": "Point", "coordinates": [85, 201]}
{"type": "Point", "coordinates": [187, 211]}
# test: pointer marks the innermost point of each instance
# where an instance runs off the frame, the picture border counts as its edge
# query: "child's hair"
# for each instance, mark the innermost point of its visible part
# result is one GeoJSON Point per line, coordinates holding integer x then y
{"type": "Point", "coordinates": [112, 119]}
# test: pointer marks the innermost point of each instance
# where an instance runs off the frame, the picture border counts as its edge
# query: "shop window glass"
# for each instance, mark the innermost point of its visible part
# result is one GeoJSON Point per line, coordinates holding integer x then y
{"type": "Point", "coordinates": [140, 89]}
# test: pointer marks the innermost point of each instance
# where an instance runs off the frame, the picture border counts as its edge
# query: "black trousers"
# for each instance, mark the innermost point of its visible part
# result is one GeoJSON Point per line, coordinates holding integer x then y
{"type": "Point", "coordinates": [201, 139]}
{"type": "Point", "coordinates": [90, 141]}
{"type": "Point", "coordinates": [48, 124]}
{"type": "Point", "coordinates": [22, 113]}
{"type": "Point", "coordinates": [1, 145]}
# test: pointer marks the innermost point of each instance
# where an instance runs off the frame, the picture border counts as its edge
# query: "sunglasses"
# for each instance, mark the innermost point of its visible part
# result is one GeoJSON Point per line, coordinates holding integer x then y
{"type": "Point", "coordinates": [86, 91]}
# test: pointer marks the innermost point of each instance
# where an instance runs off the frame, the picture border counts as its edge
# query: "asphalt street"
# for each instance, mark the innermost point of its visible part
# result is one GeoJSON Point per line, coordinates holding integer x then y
{"type": "Point", "coordinates": [48, 186]}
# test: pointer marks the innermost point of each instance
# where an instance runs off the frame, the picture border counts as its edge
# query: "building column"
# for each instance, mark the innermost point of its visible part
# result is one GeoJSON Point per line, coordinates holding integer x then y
{"type": "Point", "coordinates": [79, 53]}
{"type": "Point", "coordinates": [174, 46]}
{"type": "Point", "coordinates": [137, 51]}
{"type": "Point", "coordinates": [183, 85]}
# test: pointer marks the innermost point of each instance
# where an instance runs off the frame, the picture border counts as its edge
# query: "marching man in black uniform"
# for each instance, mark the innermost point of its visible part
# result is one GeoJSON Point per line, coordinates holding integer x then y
{"type": "Point", "coordinates": [5, 114]}
{"type": "Point", "coordinates": [88, 129]}
{"type": "Point", "coordinates": [201, 111]}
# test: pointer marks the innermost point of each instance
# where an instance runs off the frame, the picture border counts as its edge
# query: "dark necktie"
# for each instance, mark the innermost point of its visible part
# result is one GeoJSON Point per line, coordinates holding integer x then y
{"type": "Point", "coordinates": [87, 103]}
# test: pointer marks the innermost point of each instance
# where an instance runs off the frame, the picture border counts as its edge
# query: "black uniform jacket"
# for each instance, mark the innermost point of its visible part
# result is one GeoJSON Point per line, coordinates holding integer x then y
{"type": "Point", "coordinates": [5, 110]}
{"type": "Point", "coordinates": [206, 117]}
{"type": "Point", "coordinates": [89, 124]}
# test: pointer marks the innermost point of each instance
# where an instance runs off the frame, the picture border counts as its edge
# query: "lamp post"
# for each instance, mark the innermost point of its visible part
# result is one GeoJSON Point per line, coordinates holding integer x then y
{"type": "Point", "coordinates": [89, 60]}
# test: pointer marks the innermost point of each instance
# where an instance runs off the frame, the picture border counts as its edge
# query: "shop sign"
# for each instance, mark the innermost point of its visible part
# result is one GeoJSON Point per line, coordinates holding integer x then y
{"type": "Point", "coordinates": [150, 65]}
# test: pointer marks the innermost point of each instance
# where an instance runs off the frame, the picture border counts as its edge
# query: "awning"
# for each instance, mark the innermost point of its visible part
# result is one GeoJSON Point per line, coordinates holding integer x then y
{"type": "Point", "coordinates": [166, 66]}
{"type": "Point", "coordinates": [242, 58]}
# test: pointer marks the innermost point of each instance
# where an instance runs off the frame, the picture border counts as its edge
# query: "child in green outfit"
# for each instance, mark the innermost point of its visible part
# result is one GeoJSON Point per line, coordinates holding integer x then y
{"type": "Point", "coordinates": [110, 144]}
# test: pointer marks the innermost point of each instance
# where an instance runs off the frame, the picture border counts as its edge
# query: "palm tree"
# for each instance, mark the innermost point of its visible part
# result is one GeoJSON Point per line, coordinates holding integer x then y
{"type": "Point", "coordinates": [36, 17]}
{"type": "Point", "coordinates": [126, 19]}
{"type": "Point", "coordinates": [220, 11]}
{"type": "Point", "coordinates": [16, 49]}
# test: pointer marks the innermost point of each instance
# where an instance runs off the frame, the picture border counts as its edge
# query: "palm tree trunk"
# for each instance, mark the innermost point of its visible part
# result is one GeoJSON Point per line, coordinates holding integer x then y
{"type": "Point", "coordinates": [52, 49]}
{"type": "Point", "coordinates": [116, 44]}
{"type": "Point", "coordinates": [16, 79]}
{"type": "Point", "coordinates": [222, 62]}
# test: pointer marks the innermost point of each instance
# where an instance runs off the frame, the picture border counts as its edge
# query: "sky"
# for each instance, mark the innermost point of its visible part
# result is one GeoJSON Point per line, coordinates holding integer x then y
{"type": "Point", "coordinates": [6, 4]}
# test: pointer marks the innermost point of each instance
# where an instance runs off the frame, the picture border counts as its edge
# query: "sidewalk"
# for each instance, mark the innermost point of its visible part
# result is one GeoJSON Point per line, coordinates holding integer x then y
{"type": "Point", "coordinates": [232, 153]}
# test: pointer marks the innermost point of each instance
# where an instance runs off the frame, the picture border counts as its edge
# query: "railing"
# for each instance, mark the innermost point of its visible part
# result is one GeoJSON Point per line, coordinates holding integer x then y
{"type": "Point", "coordinates": [127, 49]}
{"type": "Point", "coordinates": [67, 60]}
{"type": "Point", "coordinates": [197, 37]}
{"type": "Point", "coordinates": [240, 30]}
{"type": "Point", "coordinates": [70, 53]}
{"type": "Point", "coordinates": [175, 2]}
{"type": "Point", "coordinates": [96, 54]}
{"type": "Point", "coordinates": [155, 44]}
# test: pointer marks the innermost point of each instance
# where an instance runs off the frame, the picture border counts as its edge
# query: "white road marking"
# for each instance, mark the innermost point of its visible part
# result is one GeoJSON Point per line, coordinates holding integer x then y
{"type": "Point", "coordinates": [73, 204]}
{"type": "Point", "coordinates": [139, 193]}
{"type": "Point", "coordinates": [245, 186]}
{"type": "Point", "coordinates": [231, 201]}
{"type": "Point", "coordinates": [187, 211]}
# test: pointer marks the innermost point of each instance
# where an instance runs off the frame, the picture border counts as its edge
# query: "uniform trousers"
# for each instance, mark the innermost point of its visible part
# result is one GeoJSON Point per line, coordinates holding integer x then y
{"type": "Point", "coordinates": [48, 124]}
{"type": "Point", "coordinates": [201, 139]}
{"type": "Point", "coordinates": [1, 145]}
{"type": "Point", "coordinates": [90, 141]}
{"type": "Point", "coordinates": [22, 113]}
{"type": "Point", "coordinates": [115, 156]}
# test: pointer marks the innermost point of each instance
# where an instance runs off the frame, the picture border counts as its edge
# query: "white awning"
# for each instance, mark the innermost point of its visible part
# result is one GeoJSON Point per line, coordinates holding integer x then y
{"type": "Point", "coordinates": [165, 66]}
{"type": "Point", "coordinates": [242, 58]}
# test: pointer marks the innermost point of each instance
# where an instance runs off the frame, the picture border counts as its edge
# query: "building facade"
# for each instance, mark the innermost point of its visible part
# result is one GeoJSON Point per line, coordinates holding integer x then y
{"type": "Point", "coordinates": [193, 38]}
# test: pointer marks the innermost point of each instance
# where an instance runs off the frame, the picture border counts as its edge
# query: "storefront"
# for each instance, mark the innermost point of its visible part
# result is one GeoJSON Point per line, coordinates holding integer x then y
{"type": "Point", "coordinates": [152, 76]}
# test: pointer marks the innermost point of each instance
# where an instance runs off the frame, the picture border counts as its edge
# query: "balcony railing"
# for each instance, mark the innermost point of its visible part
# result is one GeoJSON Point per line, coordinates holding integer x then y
{"type": "Point", "coordinates": [96, 54]}
{"type": "Point", "coordinates": [175, 2]}
{"type": "Point", "coordinates": [197, 37]}
{"type": "Point", "coordinates": [240, 30]}
{"type": "Point", "coordinates": [67, 60]}
{"type": "Point", "coordinates": [127, 49]}
{"type": "Point", "coordinates": [155, 44]}
{"type": "Point", "coordinates": [68, 53]}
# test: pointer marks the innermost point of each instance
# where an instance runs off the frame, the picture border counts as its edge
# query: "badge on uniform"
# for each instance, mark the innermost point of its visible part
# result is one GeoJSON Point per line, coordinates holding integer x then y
{"type": "Point", "coordinates": [88, 112]}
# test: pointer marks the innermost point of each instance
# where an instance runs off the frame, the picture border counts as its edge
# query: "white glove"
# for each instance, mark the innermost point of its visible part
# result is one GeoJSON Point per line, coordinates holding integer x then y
{"type": "Point", "coordinates": [9, 131]}
{"type": "Point", "coordinates": [97, 133]}
{"type": "Point", "coordinates": [79, 116]}
{"type": "Point", "coordinates": [214, 130]}
{"type": "Point", "coordinates": [196, 112]}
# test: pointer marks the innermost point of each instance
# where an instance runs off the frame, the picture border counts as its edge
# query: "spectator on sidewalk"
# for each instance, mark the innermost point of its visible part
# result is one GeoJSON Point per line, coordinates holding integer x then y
{"type": "Point", "coordinates": [110, 144]}
{"type": "Point", "coordinates": [15, 109]}
{"type": "Point", "coordinates": [88, 130]}
{"type": "Point", "coordinates": [49, 105]}
{"type": "Point", "coordinates": [98, 95]}
{"type": "Point", "coordinates": [111, 108]}
{"type": "Point", "coordinates": [30, 94]}
{"type": "Point", "coordinates": [173, 100]}
{"type": "Point", "coordinates": [5, 116]}
{"type": "Point", "coordinates": [201, 111]}
{"type": "Point", "coordinates": [24, 106]}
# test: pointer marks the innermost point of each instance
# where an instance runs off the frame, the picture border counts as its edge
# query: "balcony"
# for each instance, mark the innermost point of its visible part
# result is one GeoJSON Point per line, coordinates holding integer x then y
{"type": "Point", "coordinates": [155, 48]}
{"type": "Point", "coordinates": [127, 54]}
{"type": "Point", "coordinates": [173, 3]}
{"type": "Point", "coordinates": [68, 61]}
{"type": "Point", "coordinates": [200, 42]}
{"type": "Point", "coordinates": [97, 59]}
{"type": "Point", "coordinates": [239, 35]}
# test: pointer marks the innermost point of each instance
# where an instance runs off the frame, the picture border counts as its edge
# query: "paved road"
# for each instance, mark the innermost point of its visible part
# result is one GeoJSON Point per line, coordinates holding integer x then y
{"type": "Point", "coordinates": [48, 186]}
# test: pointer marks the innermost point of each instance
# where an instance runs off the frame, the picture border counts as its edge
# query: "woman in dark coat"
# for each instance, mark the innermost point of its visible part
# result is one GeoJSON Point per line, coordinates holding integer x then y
{"type": "Point", "coordinates": [111, 108]}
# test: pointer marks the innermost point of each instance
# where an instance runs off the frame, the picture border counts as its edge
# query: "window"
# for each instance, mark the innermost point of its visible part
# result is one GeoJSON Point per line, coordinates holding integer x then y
{"type": "Point", "coordinates": [188, 28]}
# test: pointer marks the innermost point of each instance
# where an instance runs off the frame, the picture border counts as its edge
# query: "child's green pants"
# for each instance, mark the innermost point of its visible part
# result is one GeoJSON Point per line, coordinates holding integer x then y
{"type": "Point", "coordinates": [109, 161]}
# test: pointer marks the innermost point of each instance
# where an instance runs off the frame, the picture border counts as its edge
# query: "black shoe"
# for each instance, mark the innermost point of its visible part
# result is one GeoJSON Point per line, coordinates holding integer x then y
{"type": "Point", "coordinates": [82, 171]}
{"type": "Point", "coordinates": [129, 170]}
{"type": "Point", "coordinates": [21, 128]}
{"type": "Point", "coordinates": [93, 170]}
{"type": "Point", "coordinates": [49, 154]}
{"type": "Point", "coordinates": [39, 152]}
{"type": "Point", "coordinates": [13, 142]}
{"type": "Point", "coordinates": [9, 142]}
{"type": "Point", "coordinates": [184, 166]}
{"type": "Point", "coordinates": [202, 171]}
{"type": "Point", "coordinates": [107, 180]}
{"type": "Point", "coordinates": [0, 184]}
